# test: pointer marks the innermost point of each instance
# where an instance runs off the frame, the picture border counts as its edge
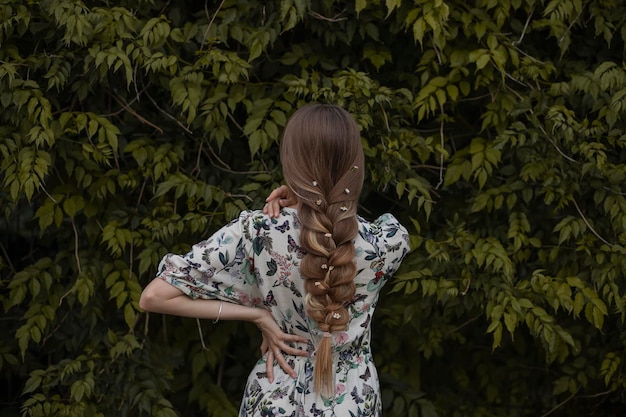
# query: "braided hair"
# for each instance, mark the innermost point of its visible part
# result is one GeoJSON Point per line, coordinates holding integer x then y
{"type": "Point", "coordinates": [322, 159]}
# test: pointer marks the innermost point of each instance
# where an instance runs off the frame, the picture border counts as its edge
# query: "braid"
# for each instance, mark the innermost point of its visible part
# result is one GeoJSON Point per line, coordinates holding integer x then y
{"type": "Point", "coordinates": [328, 269]}
{"type": "Point", "coordinates": [321, 154]}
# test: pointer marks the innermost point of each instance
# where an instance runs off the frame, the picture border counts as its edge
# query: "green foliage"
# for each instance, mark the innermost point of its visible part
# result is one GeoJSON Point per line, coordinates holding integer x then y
{"type": "Point", "coordinates": [494, 129]}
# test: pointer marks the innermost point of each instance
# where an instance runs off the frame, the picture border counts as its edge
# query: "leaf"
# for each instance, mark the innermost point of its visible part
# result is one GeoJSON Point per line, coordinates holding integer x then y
{"type": "Point", "coordinates": [272, 268]}
{"type": "Point", "coordinates": [73, 204]}
{"type": "Point", "coordinates": [129, 316]}
{"type": "Point", "coordinates": [392, 5]}
{"type": "Point", "coordinates": [33, 382]}
{"type": "Point", "coordinates": [359, 6]}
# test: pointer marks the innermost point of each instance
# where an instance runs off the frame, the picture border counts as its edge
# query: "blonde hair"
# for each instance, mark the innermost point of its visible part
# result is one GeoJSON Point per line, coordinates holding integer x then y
{"type": "Point", "coordinates": [322, 159]}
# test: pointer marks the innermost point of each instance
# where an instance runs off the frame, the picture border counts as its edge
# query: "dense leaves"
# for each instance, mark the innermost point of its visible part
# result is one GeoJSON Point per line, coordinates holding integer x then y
{"type": "Point", "coordinates": [494, 129]}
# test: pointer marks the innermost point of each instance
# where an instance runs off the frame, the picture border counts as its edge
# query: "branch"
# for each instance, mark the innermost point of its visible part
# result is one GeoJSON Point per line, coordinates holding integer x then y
{"type": "Point", "coordinates": [6, 256]}
{"type": "Point", "coordinates": [225, 167]}
{"type": "Point", "coordinates": [76, 246]}
{"type": "Point", "coordinates": [440, 152]}
{"type": "Point", "coordinates": [336, 18]}
{"type": "Point", "coordinates": [197, 170]}
{"type": "Point", "coordinates": [517, 42]}
{"type": "Point", "coordinates": [465, 324]}
{"type": "Point", "coordinates": [589, 225]}
{"type": "Point", "coordinates": [569, 28]}
{"type": "Point", "coordinates": [555, 145]}
{"type": "Point", "coordinates": [127, 107]}
{"type": "Point", "coordinates": [146, 325]}
{"type": "Point", "coordinates": [239, 196]}
{"type": "Point", "coordinates": [599, 394]}
{"type": "Point", "coordinates": [206, 12]}
{"type": "Point", "coordinates": [232, 119]}
{"type": "Point", "coordinates": [613, 191]}
{"type": "Point", "coordinates": [76, 255]}
{"type": "Point", "coordinates": [467, 287]}
{"type": "Point", "coordinates": [384, 113]}
{"type": "Point", "coordinates": [204, 347]}
{"type": "Point", "coordinates": [48, 194]}
{"type": "Point", "coordinates": [169, 115]}
{"type": "Point", "coordinates": [562, 403]}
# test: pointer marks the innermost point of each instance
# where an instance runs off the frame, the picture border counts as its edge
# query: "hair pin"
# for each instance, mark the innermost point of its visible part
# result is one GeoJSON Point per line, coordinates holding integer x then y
{"type": "Point", "coordinates": [319, 202]}
{"type": "Point", "coordinates": [326, 334]}
{"type": "Point", "coordinates": [336, 315]}
{"type": "Point", "coordinates": [314, 183]}
{"type": "Point", "coordinates": [324, 266]}
{"type": "Point", "coordinates": [330, 268]}
{"type": "Point", "coordinates": [355, 167]}
{"type": "Point", "coordinates": [347, 191]}
{"type": "Point", "coordinates": [318, 284]}
{"type": "Point", "coordinates": [328, 235]}
{"type": "Point", "coordinates": [344, 208]}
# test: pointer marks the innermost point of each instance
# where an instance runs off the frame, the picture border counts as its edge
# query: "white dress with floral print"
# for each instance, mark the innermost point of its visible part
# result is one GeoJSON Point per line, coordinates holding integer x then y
{"type": "Point", "coordinates": [254, 261]}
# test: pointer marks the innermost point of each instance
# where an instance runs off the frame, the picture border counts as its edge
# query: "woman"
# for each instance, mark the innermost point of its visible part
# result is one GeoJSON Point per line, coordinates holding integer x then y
{"type": "Point", "coordinates": [307, 275]}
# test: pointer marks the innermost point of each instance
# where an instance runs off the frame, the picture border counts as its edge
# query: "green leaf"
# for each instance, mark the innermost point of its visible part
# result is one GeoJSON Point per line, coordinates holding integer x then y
{"type": "Point", "coordinates": [359, 6]}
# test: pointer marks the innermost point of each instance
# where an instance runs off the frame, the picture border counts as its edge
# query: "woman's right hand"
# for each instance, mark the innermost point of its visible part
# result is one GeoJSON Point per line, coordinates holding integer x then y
{"type": "Point", "coordinates": [275, 343]}
{"type": "Point", "coordinates": [278, 198]}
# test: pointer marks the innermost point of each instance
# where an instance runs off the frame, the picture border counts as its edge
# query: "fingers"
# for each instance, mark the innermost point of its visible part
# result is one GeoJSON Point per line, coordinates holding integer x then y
{"type": "Point", "coordinates": [279, 197]}
{"type": "Point", "coordinates": [295, 338]}
{"type": "Point", "coordinates": [269, 366]}
{"type": "Point", "coordinates": [295, 352]}
{"type": "Point", "coordinates": [292, 350]}
{"type": "Point", "coordinates": [278, 193]}
{"type": "Point", "coordinates": [277, 355]}
{"type": "Point", "coordinates": [272, 208]}
{"type": "Point", "coordinates": [283, 364]}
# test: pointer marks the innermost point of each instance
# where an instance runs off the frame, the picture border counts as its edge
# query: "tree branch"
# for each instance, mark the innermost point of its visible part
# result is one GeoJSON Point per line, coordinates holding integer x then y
{"type": "Point", "coordinates": [589, 225]}
{"type": "Point", "coordinates": [561, 404]}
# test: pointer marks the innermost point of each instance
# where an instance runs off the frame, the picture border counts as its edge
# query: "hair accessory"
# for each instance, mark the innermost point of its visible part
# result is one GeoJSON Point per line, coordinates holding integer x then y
{"type": "Point", "coordinates": [326, 334]}
{"type": "Point", "coordinates": [347, 191]}
{"type": "Point", "coordinates": [355, 167]}
{"type": "Point", "coordinates": [314, 183]}
{"type": "Point", "coordinates": [330, 268]}
{"type": "Point", "coordinates": [344, 208]}
{"type": "Point", "coordinates": [219, 312]}
{"type": "Point", "coordinates": [328, 235]}
{"type": "Point", "coordinates": [319, 202]}
{"type": "Point", "coordinates": [318, 284]}
{"type": "Point", "coordinates": [324, 266]}
{"type": "Point", "coordinates": [336, 315]}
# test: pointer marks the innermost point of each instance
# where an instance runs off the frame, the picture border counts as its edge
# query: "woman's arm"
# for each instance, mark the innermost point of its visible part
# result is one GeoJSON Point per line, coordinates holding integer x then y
{"type": "Point", "coordinates": [161, 297]}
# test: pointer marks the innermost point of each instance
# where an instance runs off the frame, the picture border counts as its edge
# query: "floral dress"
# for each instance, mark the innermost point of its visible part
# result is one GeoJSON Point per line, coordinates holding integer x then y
{"type": "Point", "coordinates": [254, 261]}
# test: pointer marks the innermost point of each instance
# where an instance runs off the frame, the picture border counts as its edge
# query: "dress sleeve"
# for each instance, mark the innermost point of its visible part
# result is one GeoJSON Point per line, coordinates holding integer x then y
{"type": "Point", "coordinates": [217, 268]}
{"type": "Point", "coordinates": [395, 239]}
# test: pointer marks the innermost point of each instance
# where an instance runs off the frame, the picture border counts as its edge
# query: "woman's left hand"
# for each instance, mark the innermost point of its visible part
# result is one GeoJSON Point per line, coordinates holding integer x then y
{"type": "Point", "coordinates": [278, 198]}
{"type": "Point", "coordinates": [275, 344]}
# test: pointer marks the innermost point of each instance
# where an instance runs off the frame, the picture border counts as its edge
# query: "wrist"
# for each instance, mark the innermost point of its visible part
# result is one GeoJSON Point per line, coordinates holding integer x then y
{"type": "Point", "coordinates": [261, 316]}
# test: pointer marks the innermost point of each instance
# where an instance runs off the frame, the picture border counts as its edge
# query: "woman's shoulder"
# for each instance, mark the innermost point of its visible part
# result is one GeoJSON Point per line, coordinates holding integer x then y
{"type": "Point", "coordinates": [259, 221]}
{"type": "Point", "coordinates": [384, 237]}
{"type": "Point", "coordinates": [385, 230]}
{"type": "Point", "coordinates": [385, 222]}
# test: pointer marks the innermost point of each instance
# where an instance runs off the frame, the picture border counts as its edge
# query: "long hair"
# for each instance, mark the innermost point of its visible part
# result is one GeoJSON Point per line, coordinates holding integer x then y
{"type": "Point", "coordinates": [322, 159]}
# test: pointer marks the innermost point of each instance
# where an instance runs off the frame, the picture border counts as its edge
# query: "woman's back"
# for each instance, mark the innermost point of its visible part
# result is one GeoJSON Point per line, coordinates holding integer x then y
{"type": "Point", "coordinates": [316, 272]}
{"type": "Point", "coordinates": [260, 266]}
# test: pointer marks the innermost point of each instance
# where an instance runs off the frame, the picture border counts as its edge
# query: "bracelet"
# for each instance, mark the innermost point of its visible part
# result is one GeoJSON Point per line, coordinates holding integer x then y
{"type": "Point", "coordinates": [219, 312]}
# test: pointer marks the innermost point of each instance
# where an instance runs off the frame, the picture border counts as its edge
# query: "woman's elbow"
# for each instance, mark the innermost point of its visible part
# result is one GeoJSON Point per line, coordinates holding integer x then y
{"type": "Point", "coordinates": [156, 295]}
{"type": "Point", "coordinates": [150, 299]}
{"type": "Point", "coordinates": [145, 300]}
